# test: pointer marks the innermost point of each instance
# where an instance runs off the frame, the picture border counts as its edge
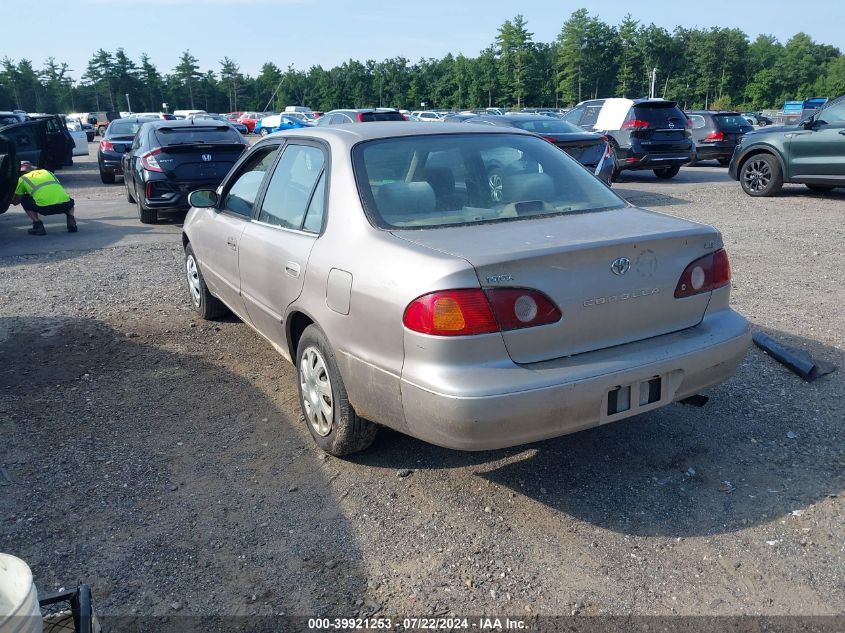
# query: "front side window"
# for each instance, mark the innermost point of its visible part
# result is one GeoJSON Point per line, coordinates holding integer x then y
{"type": "Point", "coordinates": [697, 120]}
{"type": "Point", "coordinates": [832, 115]}
{"type": "Point", "coordinates": [292, 186]}
{"type": "Point", "coordinates": [448, 179]}
{"type": "Point", "coordinates": [240, 198]}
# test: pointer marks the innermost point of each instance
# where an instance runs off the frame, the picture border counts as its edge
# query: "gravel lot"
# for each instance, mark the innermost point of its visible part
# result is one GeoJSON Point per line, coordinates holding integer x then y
{"type": "Point", "coordinates": [161, 458]}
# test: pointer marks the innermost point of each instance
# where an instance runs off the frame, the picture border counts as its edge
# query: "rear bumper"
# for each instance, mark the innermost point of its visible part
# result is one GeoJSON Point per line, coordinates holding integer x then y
{"type": "Point", "coordinates": [110, 164]}
{"type": "Point", "coordinates": [559, 397]}
{"type": "Point", "coordinates": [714, 151]}
{"type": "Point", "coordinates": [656, 160]}
{"type": "Point", "coordinates": [173, 195]}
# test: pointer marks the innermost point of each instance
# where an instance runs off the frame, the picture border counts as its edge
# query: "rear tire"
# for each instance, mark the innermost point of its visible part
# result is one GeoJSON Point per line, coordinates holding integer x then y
{"type": "Point", "coordinates": [496, 184]}
{"type": "Point", "coordinates": [147, 216]}
{"type": "Point", "coordinates": [206, 304]}
{"type": "Point", "coordinates": [264, 131]}
{"type": "Point", "coordinates": [667, 172]}
{"type": "Point", "coordinates": [761, 176]}
{"type": "Point", "coordinates": [107, 178]}
{"type": "Point", "coordinates": [329, 416]}
{"type": "Point", "coordinates": [820, 188]}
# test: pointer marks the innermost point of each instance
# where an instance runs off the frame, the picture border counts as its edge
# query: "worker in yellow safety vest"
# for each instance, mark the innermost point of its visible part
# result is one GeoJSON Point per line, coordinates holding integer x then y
{"type": "Point", "coordinates": [40, 193]}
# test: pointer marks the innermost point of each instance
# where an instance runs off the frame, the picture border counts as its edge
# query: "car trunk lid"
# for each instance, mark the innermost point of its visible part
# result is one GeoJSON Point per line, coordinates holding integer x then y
{"type": "Point", "coordinates": [587, 149]}
{"type": "Point", "coordinates": [658, 126]}
{"type": "Point", "coordinates": [199, 161]}
{"type": "Point", "coordinates": [571, 258]}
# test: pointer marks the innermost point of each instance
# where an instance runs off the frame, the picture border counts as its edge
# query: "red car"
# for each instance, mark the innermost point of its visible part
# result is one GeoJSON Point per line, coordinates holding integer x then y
{"type": "Point", "coordinates": [249, 119]}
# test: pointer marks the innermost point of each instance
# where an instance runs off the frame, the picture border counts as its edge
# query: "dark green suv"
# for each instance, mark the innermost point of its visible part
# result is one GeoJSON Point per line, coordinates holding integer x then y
{"type": "Point", "coordinates": [811, 153]}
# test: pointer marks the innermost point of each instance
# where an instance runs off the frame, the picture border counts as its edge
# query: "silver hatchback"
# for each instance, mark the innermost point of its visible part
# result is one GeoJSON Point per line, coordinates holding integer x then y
{"type": "Point", "coordinates": [413, 290]}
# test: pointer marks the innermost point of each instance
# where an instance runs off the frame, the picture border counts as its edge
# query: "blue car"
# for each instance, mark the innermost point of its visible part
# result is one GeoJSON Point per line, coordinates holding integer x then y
{"type": "Point", "coordinates": [277, 123]}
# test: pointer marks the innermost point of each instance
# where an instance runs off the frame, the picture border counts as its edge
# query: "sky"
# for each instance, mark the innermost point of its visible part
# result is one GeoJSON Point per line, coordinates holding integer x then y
{"type": "Point", "coordinates": [327, 32]}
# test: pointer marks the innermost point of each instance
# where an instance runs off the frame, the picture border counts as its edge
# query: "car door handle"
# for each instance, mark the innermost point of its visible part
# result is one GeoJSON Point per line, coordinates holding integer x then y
{"type": "Point", "coordinates": [292, 269]}
{"type": "Point", "coordinates": [233, 243]}
{"type": "Point", "coordinates": [842, 132]}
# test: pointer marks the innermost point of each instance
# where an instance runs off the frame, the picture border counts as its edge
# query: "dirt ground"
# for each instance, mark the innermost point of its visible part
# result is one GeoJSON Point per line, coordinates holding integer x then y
{"type": "Point", "coordinates": [162, 459]}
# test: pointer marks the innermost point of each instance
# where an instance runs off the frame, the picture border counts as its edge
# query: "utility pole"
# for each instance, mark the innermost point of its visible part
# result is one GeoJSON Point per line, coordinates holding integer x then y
{"type": "Point", "coordinates": [653, 81]}
{"type": "Point", "coordinates": [128, 105]}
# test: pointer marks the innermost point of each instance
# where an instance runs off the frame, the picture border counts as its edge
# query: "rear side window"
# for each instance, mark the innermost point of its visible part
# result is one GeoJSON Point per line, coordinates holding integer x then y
{"type": "Point", "coordinates": [731, 122]}
{"type": "Point", "coordinates": [590, 117]}
{"type": "Point", "coordinates": [124, 128]}
{"type": "Point", "coordinates": [697, 121]}
{"type": "Point", "coordinates": [197, 134]}
{"type": "Point", "coordinates": [368, 117]}
{"type": "Point", "coordinates": [659, 115]}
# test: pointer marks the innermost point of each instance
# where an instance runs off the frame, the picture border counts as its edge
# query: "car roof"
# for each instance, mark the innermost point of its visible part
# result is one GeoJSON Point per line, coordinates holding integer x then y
{"type": "Point", "coordinates": [507, 118]}
{"type": "Point", "coordinates": [349, 135]}
{"type": "Point", "coordinates": [158, 123]}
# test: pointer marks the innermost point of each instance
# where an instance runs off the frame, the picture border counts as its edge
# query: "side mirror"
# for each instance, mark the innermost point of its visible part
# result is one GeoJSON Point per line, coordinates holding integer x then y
{"type": "Point", "coordinates": [808, 123]}
{"type": "Point", "coordinates": [203, 198]}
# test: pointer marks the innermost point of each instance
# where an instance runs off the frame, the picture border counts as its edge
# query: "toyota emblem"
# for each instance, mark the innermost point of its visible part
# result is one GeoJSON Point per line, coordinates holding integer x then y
{"type": "Point", "coordinates": [620, 265]}
{"type": "Point", "coordinates": [206, 157]}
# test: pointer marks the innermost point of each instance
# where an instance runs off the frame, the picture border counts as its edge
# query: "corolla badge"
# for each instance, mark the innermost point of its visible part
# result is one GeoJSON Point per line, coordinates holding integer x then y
{"type": "Point", "coordinates": [620, 265]}
{"type": "Point", "coordinates": [206, 157]}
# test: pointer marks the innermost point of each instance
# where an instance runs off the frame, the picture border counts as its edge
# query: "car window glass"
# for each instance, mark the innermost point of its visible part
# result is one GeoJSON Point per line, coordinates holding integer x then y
{"type": "Point", "coordinates": [24, 138]}
{"type": "Point", "coordinates": [698, 121]}
{"type": "Point", "coordinates": [833, 115]}
{"type": "Point", "coordinates": [291, 186]}
{"type": "Point", "coordinates": [241, 195]}
{"type": "Point", "coordinates": [314, 217]}
{"type": "Point", "coordinates": [590, 116]}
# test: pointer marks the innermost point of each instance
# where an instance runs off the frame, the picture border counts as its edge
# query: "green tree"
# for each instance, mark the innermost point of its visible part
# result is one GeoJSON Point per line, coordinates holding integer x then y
{"type": "Point", "coordinates": [514, 46]}
{"type": "Point", "coordinates": [187, 73]}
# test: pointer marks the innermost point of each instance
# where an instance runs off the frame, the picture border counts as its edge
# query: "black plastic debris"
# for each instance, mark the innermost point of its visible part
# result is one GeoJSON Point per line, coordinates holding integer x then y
{"type": "Point", "coordinates": [797, 360]}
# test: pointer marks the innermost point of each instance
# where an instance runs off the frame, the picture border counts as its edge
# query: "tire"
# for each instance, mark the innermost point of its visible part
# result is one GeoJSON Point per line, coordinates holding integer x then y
{"type": "Point", "coordinates": [724, 162]}
{"type": "Point", "coordinates": [147, 216]}
{"type": "Point", "coordinates": [820, 188]}
{"type": "Point", "coordinates": [761, 176]}
{"type": "Point", "coordinates": [206, 304]}
{"type": "Point", "coordinates": [264, 131]}
{"type": "Point", "coordinates": [107, 178]}
{"type": "Point", "coordinates": [667, 172]}
{"type": "Point", "coordinates": [495, 183]}
{"type": "Point", "coordinates": [101, 130]}
{"type": "Point", "coordinates": [129, 197]}
{"type": "Point", "coordinates": [339, 431]}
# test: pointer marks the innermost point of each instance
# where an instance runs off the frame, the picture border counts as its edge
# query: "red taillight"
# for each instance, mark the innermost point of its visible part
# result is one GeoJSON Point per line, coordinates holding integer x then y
{"type": "Point", "coordinates": [705, 274]}
{"type": "Point", "coordinates": [715, 136]}
{"type": "Point", "coordinates": [404, 117]}
{"type": "Point", "coordinates": [149, 190]}
{"type": "Point", "coordinates": [473, 311]}
{"type": "Point", "coordinates": [360, 117]}
{"type": "Point", "coordinates": [550, 139]}
{"type": "Point", "coordinates": [106, 146]}
{"type": "Point", "coordinates": [149, 161]}
{"type": "Point", "coordinates": [689, 123]}
{"type": "Point", "coordinates": [635, 124]}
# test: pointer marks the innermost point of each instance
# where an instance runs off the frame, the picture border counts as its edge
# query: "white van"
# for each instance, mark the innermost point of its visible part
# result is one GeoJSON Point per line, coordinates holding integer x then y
{"type": "Point", "coordinates": [184, 114]}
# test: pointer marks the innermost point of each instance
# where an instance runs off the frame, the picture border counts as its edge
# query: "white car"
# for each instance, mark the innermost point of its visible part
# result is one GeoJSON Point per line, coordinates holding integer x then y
{"type": "Point", "coordinates": [80, 138]}
{"type": "Point", "coordinates": [429, 116]}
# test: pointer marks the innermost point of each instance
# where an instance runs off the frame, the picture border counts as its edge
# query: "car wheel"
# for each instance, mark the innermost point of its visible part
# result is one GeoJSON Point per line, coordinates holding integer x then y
{"type": "Point", "coordinates": [206, 304]}
{"type": "Point", "coordinates": [820, 188]}
{"type": "Point", "coordinates": [496, 183]}
{"type": "Point", "coordinates": [101, 130]}
{"type": "Point", "coordinates": [724, 162]}
{"type": "Point", "coordinates": [107, 178]}
{"type": "Point", "coordinates": [129, 197]}
{"type": "Point", "coordinates": [329, 416]}
{"type": "Point", "coordinates": [264, 131]}
{"type": "Point", "coordinates": [761, 176]}
{"type": "Point", "coordinates": [147, 216]}
{"type": "Point", "coordinates": [667, 172]}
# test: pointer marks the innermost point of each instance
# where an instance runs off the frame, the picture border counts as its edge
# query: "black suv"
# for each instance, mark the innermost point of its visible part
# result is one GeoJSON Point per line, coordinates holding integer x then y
{"type": "Point", "coordinates": [645, 133]}
{"type": "Point", "coordinates": [716, 134]}
{"type": "Point", "coordinates": [117, 140]}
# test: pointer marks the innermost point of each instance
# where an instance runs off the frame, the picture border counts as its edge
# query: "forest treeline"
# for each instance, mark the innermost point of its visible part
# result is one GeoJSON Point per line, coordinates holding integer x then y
{"type": "Point", "coordinates": [715, 67]}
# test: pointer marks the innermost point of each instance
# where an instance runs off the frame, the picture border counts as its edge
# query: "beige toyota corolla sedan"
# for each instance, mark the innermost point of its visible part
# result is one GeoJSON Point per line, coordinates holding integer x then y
{"type": "Point", "coordinates": [473, 287]}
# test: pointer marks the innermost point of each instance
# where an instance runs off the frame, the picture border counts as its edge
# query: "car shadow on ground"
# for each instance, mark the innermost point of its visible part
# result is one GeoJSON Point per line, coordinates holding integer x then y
{"type": "Point", "coordinates": [647, 199]}
{"type": "Point", "coordinates": [689, 174]}
{"type": "Point", "coordinates": [756, 452]}
{"type": "Point", "coordinates": [159, 478]}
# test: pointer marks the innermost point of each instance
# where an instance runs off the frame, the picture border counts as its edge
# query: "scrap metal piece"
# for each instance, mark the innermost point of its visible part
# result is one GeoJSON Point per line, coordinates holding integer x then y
{"type": "Point", "coordinates": [796, 360]}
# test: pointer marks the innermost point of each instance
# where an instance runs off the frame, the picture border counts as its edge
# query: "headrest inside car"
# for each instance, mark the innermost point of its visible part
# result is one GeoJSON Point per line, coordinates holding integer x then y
{"type": "Point", "coordinates": [526, 186]}
{"type": "Point", "coordinates": [402, 198]}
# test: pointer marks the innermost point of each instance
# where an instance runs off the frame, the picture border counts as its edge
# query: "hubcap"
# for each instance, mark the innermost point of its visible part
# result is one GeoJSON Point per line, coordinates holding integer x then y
{"type": "Point", "coordinates": [757, 175]}
{"type": "Point", "coordinates": [496, 187]}
{"type": "Point", "coordinates": [316, 387]}
{"type": "Point", "coordinates": [193, 279]}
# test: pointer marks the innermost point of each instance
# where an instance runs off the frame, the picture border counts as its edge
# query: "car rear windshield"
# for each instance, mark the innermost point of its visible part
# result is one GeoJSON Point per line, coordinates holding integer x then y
{"type": "Point", "coordinates": [188, 134]}
{"type": "Point", "coordinates": [123, 128]}
{"type": "Point", "coordinates": [7, 118]}
{"type": "Point", "coordinates": [731, 122]}
{"type": "Point", "coordinates": [457, 179]}
{"type": "Point", "coordinates": [659, 114]}
{"type": "Point", "coordinates": [369, 117]}
{"type": "Point", "coordinates": [550, 126]}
